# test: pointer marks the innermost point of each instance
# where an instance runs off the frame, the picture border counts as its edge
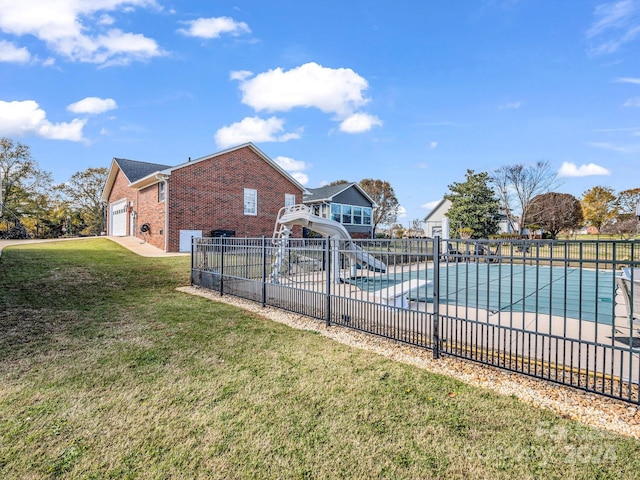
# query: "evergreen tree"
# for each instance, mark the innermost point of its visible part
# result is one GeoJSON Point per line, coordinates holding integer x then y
{"type": "Point", "coordinates": [474, 207]}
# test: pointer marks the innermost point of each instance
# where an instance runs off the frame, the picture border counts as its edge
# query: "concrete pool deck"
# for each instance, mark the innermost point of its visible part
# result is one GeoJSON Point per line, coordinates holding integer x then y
{"type": "Point", "coordinates": [570, 345]}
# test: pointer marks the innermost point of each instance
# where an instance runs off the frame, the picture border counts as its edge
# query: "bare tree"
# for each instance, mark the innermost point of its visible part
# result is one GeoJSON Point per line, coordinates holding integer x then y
{"type": "Point", "coordinates": [555, 212]}
{"type": "Point", "coordinates": [517, 185]}
{"type": "Point", "coordinates": [628, 202]}
{"type": "Point", "coordinates": [382, 193]}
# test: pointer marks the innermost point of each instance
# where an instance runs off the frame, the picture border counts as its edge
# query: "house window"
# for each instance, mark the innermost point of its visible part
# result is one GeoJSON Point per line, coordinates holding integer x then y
{"type": "Point", "coordinates": [346, 214]}
{"type": "Point", "coordinates": [250, 201]}
{"type": "Point", "coordinates": [335, 212]}
{"type": "Point", "coordinates": [357, 215]}
{"type": "Point", "coordinates": [289, 199]}
{"type": "Point", "coordinates": [161, 192]}
{"type": "Point", "coordinates": [366, 216]}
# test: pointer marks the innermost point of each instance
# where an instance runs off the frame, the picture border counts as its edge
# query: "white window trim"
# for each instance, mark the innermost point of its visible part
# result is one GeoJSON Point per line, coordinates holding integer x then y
{"type": "Point", "coordinates": [341, 206]}
{"type": "Point", "coordinates": [247, 193]}
{"type": "Point", "coordinates": [289, 199]}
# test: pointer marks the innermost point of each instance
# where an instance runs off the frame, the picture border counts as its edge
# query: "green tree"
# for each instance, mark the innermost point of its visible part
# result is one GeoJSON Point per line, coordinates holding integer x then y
{"type": "Point", "coordinates": [24, 186]}
{"type": "Point", "coordinates": [381, 192]}
{"type": "Point", "coordinates": [83, 194]}
{"type": "Point", "coordinates": [555, 212]}
{"type": "Point", "coordinates": [516, 187]}
{"type": "Point", "coordinates": [475, 210]}
{"type": "Point", "coordinates": [599, 206]}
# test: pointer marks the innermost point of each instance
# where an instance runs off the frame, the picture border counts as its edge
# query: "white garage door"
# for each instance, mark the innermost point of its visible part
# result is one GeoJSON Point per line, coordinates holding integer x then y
{"type": "Point", "coordinates": [185, 239]}
{"type": "Point", "coordinates": [119, 219]}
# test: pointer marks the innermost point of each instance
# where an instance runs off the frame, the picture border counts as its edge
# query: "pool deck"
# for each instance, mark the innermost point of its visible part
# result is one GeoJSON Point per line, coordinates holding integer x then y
{"type": "Point", "coordinates": [582, 346]}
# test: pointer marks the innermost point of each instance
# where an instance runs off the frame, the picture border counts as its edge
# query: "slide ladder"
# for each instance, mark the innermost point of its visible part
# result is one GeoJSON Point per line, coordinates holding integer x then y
{"type": "Point", "coordinates": [280, 239]}
{"type": "Point", "coordinates": [303, 216]}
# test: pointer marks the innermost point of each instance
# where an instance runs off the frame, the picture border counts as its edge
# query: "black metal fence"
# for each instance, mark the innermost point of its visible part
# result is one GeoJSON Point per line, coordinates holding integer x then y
{"type": "Point", "coordinates": [561, 311]}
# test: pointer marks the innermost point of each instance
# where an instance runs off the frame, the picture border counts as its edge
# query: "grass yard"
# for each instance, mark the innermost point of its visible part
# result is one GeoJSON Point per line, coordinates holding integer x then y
{"type": "Point", "coordinates": [107, 372]}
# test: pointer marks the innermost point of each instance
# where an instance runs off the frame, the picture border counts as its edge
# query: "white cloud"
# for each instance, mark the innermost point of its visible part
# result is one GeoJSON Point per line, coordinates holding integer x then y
{"type": "Point", "coordinates": [294, 167]}
{"type": "Point", "coordinates": [240, 75]}
{"type": "Point", "coordinates": [301, 177]}
{"type": "Point", "coordinates": [93, 105]}
{"type": "Point", "coordinates": [106, 20]}
{"type": "Point", "coordinates": [430, 205]}
{"type": "Point", "coordinates": [569, 169]}
{"type": "Point", "coordinates": [632, 102]}
{"type": "Point", "coordinates": [290, 165]}
{"type": "Point", "coordinates": [615, 24]}
{"type": "Point", "coordinates": [214, 27]}
{"type": "Point", "coordinates": [510, 106]}
{"type": "Point", "coordinates": [635, 81]}
{"type": "Point", "coordinates": [360, 122]}
{"type": "Point", "coordinates": [253, 129]}
{"type": "Point", "coordinates": [26, 117]}
{"type": "Point", "coordinates": [12, 54]}
{"type": "Point", "coordinates": [339, 91]}
{"type": "Point", "coordinates": [402, 212]}
{"type": "Point", "coordinates": [79, 30]}
{"type": "Point", "coordinates": [433, 145]}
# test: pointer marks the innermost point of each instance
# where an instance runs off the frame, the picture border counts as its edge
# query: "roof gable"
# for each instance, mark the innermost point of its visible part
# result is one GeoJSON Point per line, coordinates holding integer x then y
{"type": "Point", "coordinates": [439, 210]}
{"type": "Point", "coordinates": [135, 170]}
{"type": "Point", "coordinates": [143, 174]}
{"type": "Point", "coordinates": [328, 193]}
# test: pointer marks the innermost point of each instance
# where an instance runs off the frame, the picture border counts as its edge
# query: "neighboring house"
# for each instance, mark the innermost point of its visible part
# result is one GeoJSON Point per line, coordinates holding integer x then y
{"type": "Point", "coordinates": [346, 203]}
{"type": "Point", "coordinates": [434, 219]}
{"type": "Point", "coordinates": [437, 218]}
{"type": "Point", "coordinates": [238, 192]}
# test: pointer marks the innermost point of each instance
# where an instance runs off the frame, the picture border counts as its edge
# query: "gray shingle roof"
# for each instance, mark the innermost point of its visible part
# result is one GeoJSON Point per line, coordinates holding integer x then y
{"type": "Point", "coordinates": [324, 193]}
{"type": "Point", "coordinates": [135, 170]}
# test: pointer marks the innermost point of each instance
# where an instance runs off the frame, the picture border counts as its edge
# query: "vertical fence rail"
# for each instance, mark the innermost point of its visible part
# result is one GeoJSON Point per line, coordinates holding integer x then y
{"type": "Point", "coordinates": [436, 297]}
{"type": "Point", "coordinates": [263, 290]}
{"type": "Point", "coordinates": [329, 274]}
{"type": "Point", "coordinates": [560, 311]}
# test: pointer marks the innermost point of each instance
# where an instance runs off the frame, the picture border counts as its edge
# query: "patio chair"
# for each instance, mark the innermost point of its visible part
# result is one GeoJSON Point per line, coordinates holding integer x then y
{"type": "Point", "coordinates": [452, 254]}
{"type": "Point", "coordinates": [484, 252]}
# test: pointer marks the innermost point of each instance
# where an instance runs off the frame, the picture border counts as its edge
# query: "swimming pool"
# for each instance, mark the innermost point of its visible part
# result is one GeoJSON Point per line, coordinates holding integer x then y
{"type": "Point", "coordinates": [568, 292]}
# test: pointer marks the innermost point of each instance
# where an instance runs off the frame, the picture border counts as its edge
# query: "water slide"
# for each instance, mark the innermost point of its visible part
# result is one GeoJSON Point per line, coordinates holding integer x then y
{"type": "Point", "coordinates": [302, 215]}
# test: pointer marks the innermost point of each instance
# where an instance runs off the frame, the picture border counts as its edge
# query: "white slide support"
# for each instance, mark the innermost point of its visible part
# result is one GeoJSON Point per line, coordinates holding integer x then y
{"type": "Point", "coordinates": [303, 216]}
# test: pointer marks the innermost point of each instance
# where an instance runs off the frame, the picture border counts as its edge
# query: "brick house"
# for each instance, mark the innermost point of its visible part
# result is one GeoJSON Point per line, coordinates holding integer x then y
{"type": "Point", "coordinates": [238, 190]}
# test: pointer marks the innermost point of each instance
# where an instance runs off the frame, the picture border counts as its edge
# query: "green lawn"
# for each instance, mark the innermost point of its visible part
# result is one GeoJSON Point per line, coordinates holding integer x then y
{"type": "Point", "coordinates": [107, 372]}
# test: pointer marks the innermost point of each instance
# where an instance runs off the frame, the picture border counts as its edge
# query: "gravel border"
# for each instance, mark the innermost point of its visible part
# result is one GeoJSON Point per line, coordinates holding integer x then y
{"type": "Point", "coordinates": [591, 409]}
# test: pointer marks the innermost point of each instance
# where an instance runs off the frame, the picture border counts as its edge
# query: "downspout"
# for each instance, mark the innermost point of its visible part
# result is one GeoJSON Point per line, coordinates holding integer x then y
{"type": "Point", "coordinates": [164, 178]}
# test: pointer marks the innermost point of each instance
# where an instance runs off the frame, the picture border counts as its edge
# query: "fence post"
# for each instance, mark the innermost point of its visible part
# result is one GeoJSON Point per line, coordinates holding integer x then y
{"type": "Point", "coordinates": [221, 265]}
{"type": "Point", "coordinates": [327, 309]}
{"type": "Point", "coordinates": [436, 297]}
{"type": "Point", "coordinates": [192, 260]}
{"type": "Point", "coordinates": [264, 272]}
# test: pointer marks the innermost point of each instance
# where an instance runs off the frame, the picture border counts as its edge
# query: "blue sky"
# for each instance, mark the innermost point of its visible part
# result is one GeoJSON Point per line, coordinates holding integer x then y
{"type": "Point", "coordinates": [409, 91]}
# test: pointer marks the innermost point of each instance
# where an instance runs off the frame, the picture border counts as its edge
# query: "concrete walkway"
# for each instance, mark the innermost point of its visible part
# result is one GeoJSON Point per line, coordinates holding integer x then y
{"type": "Point", "coordinates": [137, 246]}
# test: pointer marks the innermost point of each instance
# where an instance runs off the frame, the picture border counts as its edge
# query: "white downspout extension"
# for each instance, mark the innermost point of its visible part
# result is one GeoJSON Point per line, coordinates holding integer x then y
{"type": "Point", "coordinates": [166, 215]}
{"type": "Point", "coordinates": [164, 178]}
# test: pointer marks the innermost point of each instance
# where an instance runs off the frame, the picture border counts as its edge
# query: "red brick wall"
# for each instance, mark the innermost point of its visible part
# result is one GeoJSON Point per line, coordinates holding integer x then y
{"type": "Point", "coordinates": [209, 195]}
{"type": "Point", "coordinates": [119, 191]}
{"type": "Point", "coordinates": [152, 212]}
